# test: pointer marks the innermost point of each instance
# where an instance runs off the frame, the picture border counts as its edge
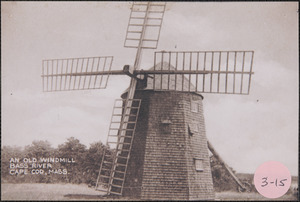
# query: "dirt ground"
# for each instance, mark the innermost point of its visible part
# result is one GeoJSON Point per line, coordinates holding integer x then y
{"type": "Point", "coordinates": [83, 192]}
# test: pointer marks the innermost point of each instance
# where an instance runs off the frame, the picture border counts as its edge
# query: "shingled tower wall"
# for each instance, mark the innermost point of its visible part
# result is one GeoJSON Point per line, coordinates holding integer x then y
{"type": "Point", "coordinates": [169, 158]}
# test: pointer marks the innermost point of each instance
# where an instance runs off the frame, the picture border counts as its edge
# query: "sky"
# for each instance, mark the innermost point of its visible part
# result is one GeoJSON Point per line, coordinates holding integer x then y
{"type": "Point", "coordinates": [246, 130]}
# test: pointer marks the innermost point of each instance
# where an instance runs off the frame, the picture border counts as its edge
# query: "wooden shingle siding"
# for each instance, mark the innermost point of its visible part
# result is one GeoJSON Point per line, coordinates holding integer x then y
{"type": "Point", "coordinates": [200, 182]}
{"type": "Point", "coordinates": [161, 165]}
{"type": "Point", "coordinates": [165, 175]}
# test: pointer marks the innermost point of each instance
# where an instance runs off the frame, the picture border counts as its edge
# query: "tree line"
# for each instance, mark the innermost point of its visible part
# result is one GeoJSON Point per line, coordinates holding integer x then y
{"type": "Point", "coordinates": [83, 169]}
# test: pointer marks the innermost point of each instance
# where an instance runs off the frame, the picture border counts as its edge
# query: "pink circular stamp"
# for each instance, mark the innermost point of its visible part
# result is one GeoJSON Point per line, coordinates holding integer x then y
{"type": "Point", "coordinates": [272, 179]}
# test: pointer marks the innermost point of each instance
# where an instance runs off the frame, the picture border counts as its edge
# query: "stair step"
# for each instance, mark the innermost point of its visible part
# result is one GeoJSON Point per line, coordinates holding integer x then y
{"type": "Point", "coordinates": [150, 40]}
{"type": "Point", "coordinates": [101, 189]}
{"type": "Point", "coordinates": [152, 18]}
{"type": "Point", "coordinates": [127, 114]}
{"type": "Point", "coordinates": [127, 121]}
{"type": "Point", "coordinates": [119, 128]}
{"type": "Point", "coordinates": [108, 155]}
{"type": "Point", "coordinates": [116, 193]}
{"type": "Point", "coordinates": [126, 143]}
{"type": "Point", "coordinates": [126, 150]}
{"type": "Point", "coordinates": [117, 171]}
{"type": "Point", "coordinates": [120, 164]}
{"type": "Point", "coordinates": [114, 185]}
{"type": "Point", "coordinates": [116, 178]}
{"type": "Point", "coordinates": [156, 11]}
{"type": "Point", "coordinates": [105, 169]}
{"type": "Point", "coordinates": [108, 162]}
{"type": "Point", "coordinates": [139, 11]}
{"type": "Point", "coordinates": [122, 157]}
{"type": "Point", "coordinates": [104, 176]}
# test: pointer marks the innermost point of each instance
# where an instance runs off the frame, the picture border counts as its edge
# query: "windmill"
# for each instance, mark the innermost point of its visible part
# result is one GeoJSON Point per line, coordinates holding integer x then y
{"type": "Point", "coordinates": [157, 130]}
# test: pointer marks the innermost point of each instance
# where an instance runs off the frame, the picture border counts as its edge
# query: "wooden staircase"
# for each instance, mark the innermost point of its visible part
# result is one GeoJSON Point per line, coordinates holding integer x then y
{"type": "Point", "coordinates": [120, 137]}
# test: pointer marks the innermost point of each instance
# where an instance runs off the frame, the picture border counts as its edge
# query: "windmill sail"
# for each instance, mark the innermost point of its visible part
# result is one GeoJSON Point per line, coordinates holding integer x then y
{"type": "Point", "coordinates": [227, 72]}
{"type": "Point", "coordinates": [224, 72]}
{"type": "Point", "coordinates": [76, 73]}
{"type": "Point", "coordinates": [144, 24]}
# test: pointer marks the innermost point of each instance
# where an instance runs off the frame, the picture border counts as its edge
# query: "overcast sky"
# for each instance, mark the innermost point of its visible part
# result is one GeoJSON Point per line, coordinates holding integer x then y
{"type": "Point", "coordinates": [246, 130]}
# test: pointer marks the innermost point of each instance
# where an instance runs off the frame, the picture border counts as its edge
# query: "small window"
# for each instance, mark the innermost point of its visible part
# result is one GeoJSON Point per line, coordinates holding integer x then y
{"type": "Point", "coordinates": [194, 106]}
{"type": "Point", "coordinates": [166, 125]}
{"type": "Point", "coordinates": [198, 164]}
{"type": "Point", "coordinates": [193, 128]}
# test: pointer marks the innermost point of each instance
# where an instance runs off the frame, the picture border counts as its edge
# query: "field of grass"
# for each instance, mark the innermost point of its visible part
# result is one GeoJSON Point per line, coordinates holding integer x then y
{"type": "Point", "coordinates": [236, 196]}
{"type": "Point", "coordinates": [41, 191]}
{"type": "Point", "coordinates": [83, 192]}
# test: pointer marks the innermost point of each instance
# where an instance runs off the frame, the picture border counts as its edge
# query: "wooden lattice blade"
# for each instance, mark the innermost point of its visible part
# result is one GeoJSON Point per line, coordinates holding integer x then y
{"type": "Point", "coordinates": [227, 72]}
{"type": "Point", "coordinates": [144, 24]}
{"type": "Point", "coordinates": [76, 73]}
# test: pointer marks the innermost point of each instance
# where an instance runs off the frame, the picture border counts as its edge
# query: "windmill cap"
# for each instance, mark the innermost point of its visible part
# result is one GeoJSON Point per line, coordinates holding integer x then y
{"type": "Point", "coordinates": [165, 82]}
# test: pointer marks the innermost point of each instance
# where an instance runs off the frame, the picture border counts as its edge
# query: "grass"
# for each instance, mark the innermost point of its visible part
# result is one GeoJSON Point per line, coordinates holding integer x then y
{"type": "Point", "coordinates": [41, 191]}
{"type": "Point", "coordinates": [253, 196]}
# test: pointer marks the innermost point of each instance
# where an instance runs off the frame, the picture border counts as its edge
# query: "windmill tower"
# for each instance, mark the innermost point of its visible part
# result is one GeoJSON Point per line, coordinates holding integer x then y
{"type": "Point", "coordinates": [157, 129]}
